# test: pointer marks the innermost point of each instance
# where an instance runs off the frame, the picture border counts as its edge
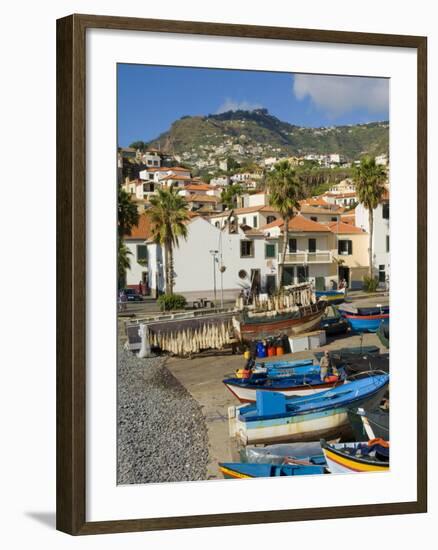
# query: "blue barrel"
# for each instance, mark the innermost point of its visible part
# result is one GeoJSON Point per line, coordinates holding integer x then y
{"type": "Point", "coordinates": [261, 349]}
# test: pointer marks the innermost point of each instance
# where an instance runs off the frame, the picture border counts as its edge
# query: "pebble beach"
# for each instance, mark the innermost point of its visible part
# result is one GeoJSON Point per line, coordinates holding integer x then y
{"type": "Point", "coordinates": [162, 435]}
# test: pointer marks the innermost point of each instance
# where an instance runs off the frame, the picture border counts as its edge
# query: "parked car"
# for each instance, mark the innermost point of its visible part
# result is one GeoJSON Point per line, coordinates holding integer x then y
{"type": "Point", "coordinates": [133, 295]}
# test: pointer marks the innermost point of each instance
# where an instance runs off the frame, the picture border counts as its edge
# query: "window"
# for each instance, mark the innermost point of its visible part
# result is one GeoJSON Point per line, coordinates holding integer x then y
{"type": "Point", "coordinates": [244, 221]}
{"type": "Point", "coordinates": [312, 245]}
{"type": "Point", "coordinates": [314, 218]}
{"type": "Point", "coordinates": [217, 224]}
{"type": "Point", "coordinates": [254, 221]}
{"type": "Point", "coordinates": [292, 246]}
{"type": "Point", "coordinates": [270, 219]}
{"type": "Point", "coordinates": [333, 219]}
{"type": "Point", "coordinates": [385, 211]}
{"type": "Point", "coordinates": [345, 248]}
{"type": "Point", "coordinates": [382, 276]}
{"type": "Point", "coordinates": [142, 253]}
{"type": "Point", "coordinates": [246, 249]}
{"type": "Point", "coordinates": [387, 243]}
{"type": "Point", "coordinates": [270, 250]}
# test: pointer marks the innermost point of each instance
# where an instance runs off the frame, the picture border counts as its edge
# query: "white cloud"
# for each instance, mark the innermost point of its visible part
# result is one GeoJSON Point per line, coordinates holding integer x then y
{"type": "Point", "coordinates": [337, 95]}
{"type": "Point", "coordinates": [235, 105]}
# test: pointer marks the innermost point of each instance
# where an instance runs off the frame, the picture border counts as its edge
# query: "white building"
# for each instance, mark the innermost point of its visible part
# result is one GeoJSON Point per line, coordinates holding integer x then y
{"type": "Point", "coordinates": [381, 247]}
{"type": "Point", "coordinates": [152, 159]}
{"type": "Point", "coordinates": [135, 242]}
{"type": "Point", "coordinates": [198, 259]}
{"type": "Point", "coordinates": [251, 216]}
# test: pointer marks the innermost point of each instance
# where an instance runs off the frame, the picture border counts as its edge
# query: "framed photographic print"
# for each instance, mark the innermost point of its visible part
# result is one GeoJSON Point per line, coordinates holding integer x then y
{"type": "Point", "coordinates": [240, 212]}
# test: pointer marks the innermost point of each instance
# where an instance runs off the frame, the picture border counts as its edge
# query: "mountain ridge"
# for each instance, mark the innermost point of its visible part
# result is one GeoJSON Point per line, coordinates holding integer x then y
{"type": "Point", "coordinates": [257, 133]}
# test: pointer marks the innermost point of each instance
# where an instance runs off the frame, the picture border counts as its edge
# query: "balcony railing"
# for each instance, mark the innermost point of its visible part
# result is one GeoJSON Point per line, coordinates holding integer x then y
{"type": "Point", "coordinates": [308, 258]}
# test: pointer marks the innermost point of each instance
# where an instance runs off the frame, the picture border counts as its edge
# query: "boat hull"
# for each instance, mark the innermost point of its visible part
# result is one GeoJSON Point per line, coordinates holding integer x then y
{"type": "Point", "coordinates": [245, 470]}
{"type": "Point", "coordinates": [247, 394]}
{"type": "Point", "coordinates": [255, 330]}
{"type": "Point", "coordinates": [365, 323]}
{"type": "Point", "coordinates": [339, 462]}
{"type": "Point", "coordinates": [315, 424]}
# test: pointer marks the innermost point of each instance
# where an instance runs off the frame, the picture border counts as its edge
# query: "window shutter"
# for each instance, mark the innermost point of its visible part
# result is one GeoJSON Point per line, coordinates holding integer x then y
{"type": "Point", "coordinates": [350, 247]}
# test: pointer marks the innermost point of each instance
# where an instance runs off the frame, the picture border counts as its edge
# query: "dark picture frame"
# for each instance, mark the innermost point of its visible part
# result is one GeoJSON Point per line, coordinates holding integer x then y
{"type": "Point", "coordinates": [71, 271]}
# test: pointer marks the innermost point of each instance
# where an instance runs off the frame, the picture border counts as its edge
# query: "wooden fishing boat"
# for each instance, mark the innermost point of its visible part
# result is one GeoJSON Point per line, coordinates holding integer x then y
{"type": "Point", "coordinates": [346, 458]}
{"type": "Point", "coordinates": [368, 423]}
{"type": "Point", "coordinates": [277, 418]}
{"type": "Point", "coordinates": [245, 470]}
{"type": "Point", "coordinates": [259, 326]}
{"type": "Point", "coordinates": [331, 296]}
{"type": "Point", "coordinates": [292, 384]}
{"type": "Point", "coordinates": [366, 319]}
{"type": "Point", "coordinates": [383, 333]}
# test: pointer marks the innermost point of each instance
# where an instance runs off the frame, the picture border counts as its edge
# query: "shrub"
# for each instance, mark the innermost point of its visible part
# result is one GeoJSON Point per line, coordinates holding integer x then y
{"type": "Point", "coordinates": [370, 284]}
{"type": "Point", "coordinates": [171, 301]}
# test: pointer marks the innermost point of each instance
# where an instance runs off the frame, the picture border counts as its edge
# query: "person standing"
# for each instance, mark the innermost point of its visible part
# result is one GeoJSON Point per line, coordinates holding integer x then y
{"type": "Point", "coordinates": [140, 288]}
{"type": "Point", "coordinates": [324, 365]}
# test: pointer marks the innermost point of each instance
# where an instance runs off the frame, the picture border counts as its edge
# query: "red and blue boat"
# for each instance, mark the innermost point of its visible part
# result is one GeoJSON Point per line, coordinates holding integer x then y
{"type": "Point", "coordinates": [366, 319]}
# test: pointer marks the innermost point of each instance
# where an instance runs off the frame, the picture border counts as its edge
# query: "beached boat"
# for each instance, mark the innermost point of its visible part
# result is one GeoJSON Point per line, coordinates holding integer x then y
{"type": "Point", "coordinates": [294, 382]}
{"type": "Point", "coordinates": [346, 458]}
{"type": "Point", "coordinates": [293, 311]}
{"type": "Point", "coordinates": [366, 319]}
{"type": "Point", "coordinates": [369, 423]}
{"type": "Point", "coordinates": [282, 453]}
{"type": "Point", "coordinates": [288, 369]}
{"type": "Point", "coordinates": [245, 470]}
{"type": "Point", "coordinates": [277, 418]}
{"type": "Point", "coordinates": [383, 333]}
{"type": "Point", "coordinates": [333, 322]}
{"type": "Point", "coordinates": [331, 296]}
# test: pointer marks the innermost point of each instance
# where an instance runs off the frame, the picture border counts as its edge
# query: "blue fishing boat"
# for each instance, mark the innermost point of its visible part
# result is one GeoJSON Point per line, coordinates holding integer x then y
{"type": "Point", "coordinates": [333, 322]}
{"type": "Point", "coordinates": [366, 319]}
{"type": "Point", "coordinates": [245, 470]}
{"type": "Point", "coordinates": [297, 382]}
{"type": "Point", "coordinates": [331, 296]}
{"type": "Point", "coordinates": [276, 418]}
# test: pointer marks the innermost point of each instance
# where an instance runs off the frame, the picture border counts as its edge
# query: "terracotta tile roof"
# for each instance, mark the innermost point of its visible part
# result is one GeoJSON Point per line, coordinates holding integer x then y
{"type": "Point", "coordinates": [142, 231]}
{"type": "Point", "coordinates": [299, 224]}
{"type": "Point", "coordinates": [176, 177]}
{"type": "Point", "coordinates": [198, 187]}
{"type": "Point", "coordinates": [315, 201]}
{"type": "Point", "coordinates": [201, 198]}
{"type": "Point", "coordinates": [340, 228]}
{"type": "Point", "coordinates": [172, 168]}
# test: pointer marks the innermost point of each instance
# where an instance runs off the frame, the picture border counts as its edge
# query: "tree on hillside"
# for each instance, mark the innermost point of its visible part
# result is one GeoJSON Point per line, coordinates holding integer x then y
{"type": "Point", "coordinates": [230, 194]}
{"type": "Point", "coordinates": [169, 216]}
{"type": "Point", "coordinates": [369, 179]}
{"type": "Point", "coordinates": [285, 191]}
{"type": "Point", "coordinates": [139, 145]}
{"type": "Point", "coordinates": [123, 262]}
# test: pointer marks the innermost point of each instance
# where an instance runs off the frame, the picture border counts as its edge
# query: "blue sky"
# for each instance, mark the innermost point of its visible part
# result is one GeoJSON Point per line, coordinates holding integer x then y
{"type": "Point", "coordinates": [151, 98]}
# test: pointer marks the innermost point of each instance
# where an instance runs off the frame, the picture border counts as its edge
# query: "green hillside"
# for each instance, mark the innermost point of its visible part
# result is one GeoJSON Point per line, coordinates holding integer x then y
{"type": "Point", "coordinates": [261, 134]}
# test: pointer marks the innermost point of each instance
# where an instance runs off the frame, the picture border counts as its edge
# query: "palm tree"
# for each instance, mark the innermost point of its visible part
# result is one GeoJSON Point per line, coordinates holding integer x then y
{"type": "Point", "coordinates": [229, 195]}
{"type": "Point", "coordinates": [285, 191]}
{"type": "Point", "coordinates": [123, 262]}
{"type": "Point", "coordinates": [369, 178]}
{"type": "Point", "coordinates": [168, 214]}
{"type": "Point", "coordinates": [127, 213]}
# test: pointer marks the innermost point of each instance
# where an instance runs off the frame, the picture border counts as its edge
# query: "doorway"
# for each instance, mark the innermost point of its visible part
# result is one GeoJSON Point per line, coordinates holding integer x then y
{"type": "Point", "coordinates": [271, 284]}
{"type": "Point", "coordinates": [344, 273]}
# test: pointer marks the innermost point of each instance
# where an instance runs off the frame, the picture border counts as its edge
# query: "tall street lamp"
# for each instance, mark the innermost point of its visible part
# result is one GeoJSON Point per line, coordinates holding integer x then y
{"type": "Point", "coordinates": [214, 254]}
